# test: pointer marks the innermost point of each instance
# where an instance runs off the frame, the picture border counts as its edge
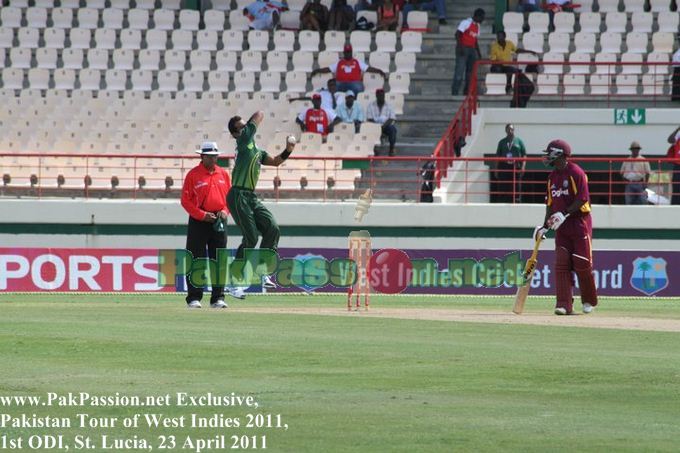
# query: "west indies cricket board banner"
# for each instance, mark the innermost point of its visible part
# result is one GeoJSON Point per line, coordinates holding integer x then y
{"type": "Point", "coordinates": [388, 271]}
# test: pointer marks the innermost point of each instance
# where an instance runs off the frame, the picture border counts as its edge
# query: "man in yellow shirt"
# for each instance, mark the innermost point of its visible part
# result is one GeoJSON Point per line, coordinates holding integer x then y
{"type": "Point", "coordinates": [503, 51]}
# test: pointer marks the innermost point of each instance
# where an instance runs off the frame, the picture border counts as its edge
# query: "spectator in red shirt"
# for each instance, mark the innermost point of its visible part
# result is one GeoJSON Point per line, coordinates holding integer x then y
{"type": "Point", "coordinates": [204, 197]}
{"type": "Point", "coordinates": [349, 72]}
{"type": "Point", "coordinates": [317, 119]}
{"type": "Point", "coordinates": [467, 50]}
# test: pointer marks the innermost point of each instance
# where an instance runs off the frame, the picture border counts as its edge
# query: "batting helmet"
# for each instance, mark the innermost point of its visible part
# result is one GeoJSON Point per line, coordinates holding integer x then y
{"type": "Point", "coordinates": [555, 150]}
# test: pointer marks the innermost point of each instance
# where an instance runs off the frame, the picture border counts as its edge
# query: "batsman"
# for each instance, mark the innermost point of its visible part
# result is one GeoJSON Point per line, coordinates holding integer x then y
{"type": "Point", "coordinates": [568, 213]}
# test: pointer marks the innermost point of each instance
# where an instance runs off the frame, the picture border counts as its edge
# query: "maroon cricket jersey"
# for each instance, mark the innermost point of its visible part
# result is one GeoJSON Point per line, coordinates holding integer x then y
{"type": "Point", "coordinates": [565, 186]}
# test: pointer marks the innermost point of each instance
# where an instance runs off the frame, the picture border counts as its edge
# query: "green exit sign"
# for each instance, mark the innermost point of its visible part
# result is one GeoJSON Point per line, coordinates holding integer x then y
{"type": "Point", "coordinates": [630, 116]}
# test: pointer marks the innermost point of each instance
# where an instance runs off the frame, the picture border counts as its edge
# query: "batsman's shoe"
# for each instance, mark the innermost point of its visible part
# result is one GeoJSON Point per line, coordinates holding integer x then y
{"type": "Point", "coordinates": [219, 303]}
{"type": "Point", "coordinates": [587, 308]}
{"type": "Point", "coordinates": [562, 311]}
{"type": "Point", "coordinates": [194, 304]}
{"type": "Point", "coordinates": [267, 282]}
{"type": "Point", "coordinates": [238, 293]}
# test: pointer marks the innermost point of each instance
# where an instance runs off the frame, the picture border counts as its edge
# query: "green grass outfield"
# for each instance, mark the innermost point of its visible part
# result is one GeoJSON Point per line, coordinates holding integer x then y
{"type": "Point", "coordinates": [350, 383]}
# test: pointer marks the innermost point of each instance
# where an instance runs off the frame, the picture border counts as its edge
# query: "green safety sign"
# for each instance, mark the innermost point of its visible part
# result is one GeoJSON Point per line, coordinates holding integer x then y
{"type": "Point", "coordinates": [630, 116]}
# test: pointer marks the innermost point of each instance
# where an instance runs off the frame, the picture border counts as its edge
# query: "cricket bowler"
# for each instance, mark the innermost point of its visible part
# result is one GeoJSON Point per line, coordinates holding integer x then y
{"type": "Point", "coordinates": [568, 213]}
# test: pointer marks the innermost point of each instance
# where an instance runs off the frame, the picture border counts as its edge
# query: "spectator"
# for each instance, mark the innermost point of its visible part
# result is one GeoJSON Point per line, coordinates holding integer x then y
{"type": "Point", "coordinates": [556, 6]}
{"type": "Point", "coordinates": [503, 51]}
{"type": "Point", "coordinates": [331, 98]}
{"type": "Point", "coordinates": [467, 50]}
{"type": "Point", "coordinates": [341, 16]}
{"type": "Point", "coordinates": [350, 111]}
{"type": "Point", "coordinates": [317, 119]}
{"type": "Point", "coordinates": [675, 80]}
{"type": "Point", "coordinates": [262, 15]}
{"type": "Point", "coordinates": [367, 5]}
{"type": "Point", "coordinates": [382, 113]}
{"type": "Point", "coordinates": [526, 6]}
{"type": "Point", "coordinates": [509, 172]}
{"type": "Point", "coordinates": [314, 16]}
{"type": "Point", "coordinates": [388, 15]}
{"type": "Point", "coordinates": [636, 175]}
{"type": "Point", "coordinates": [674, 153]}
{"type": "Point", "coordinates": [349, 72]}
{"type": "Point", "coordinates": [439, 6]}
{"type": "Point", "coordinates": [427, 173]}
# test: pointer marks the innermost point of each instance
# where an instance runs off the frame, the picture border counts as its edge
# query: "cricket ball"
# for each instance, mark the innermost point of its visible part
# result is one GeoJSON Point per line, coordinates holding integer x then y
{"type": "Point", "coordinates": [291, 140]}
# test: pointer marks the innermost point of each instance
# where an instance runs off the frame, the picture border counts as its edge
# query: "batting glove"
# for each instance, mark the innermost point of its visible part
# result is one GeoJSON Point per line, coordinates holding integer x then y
{"type": "Point", "coordinates": [556, 220]}
{"type": "Point", "coordinates": [539, 232]}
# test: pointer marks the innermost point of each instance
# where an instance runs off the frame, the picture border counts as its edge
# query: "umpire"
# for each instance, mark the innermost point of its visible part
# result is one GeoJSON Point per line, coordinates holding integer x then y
{"type": "Point", "coordinates": [204, 197]}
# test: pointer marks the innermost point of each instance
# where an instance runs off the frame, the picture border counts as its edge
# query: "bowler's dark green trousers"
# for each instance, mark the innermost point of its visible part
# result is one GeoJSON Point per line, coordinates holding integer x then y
{"type": "Point", "coordinates": [253, 219]}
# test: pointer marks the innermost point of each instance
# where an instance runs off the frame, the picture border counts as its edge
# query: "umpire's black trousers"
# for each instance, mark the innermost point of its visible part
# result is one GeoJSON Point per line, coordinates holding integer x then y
{"type": "Point", "coordinates": [202, 236]}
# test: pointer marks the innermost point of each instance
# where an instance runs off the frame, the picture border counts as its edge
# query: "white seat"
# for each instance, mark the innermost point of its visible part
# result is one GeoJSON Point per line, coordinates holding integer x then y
{"type": "Point", "coordinates": [46, 58]}
{"type": "Point", "coordinates": [164, 19]}
{"type": "Point", "coordinates": [405, 62]}
{"type": "Point", "coordinates": [39, 79]}
{"type": "Point", "coordinates": [668, 21]}
{"type": "Point", "coordinates": [642, 22]}
{"type": "Point", "coordinates": [112, 18]}
{"type": "Point", "coordinates": [658, 63]}
{"type": "Point", "coordinates": [659, 6]}
{"type": "Point", "coordinates": [513, 22]}
{"type": "Point", "coordinates": [90, 79]}
{"type": "Point", "coordinates": [277, 61]}
{"type": "Point", "coordinates": [309, 40]}
{"type": "Point", "coordinates": [296, 82]}
{"type": "Point", "coordinates": [28, 37]}
{"type": "Point", "coordinates": [6, 38]}
{"type": "Point", "coordinates": [662, 42]}
{"type": "Point", "coordinates": [207, 40]}
{"type": "Point", "coordinates": [334, 40]}
{"type": "Point", "coordinates": [631, 6]}
{"type": "Point", "coordinates": [303, 61]}
{"type": "Point", "coordinates": [380, 60]}
{"type": "Point", "coordinates": [626, 84]}
{"type": "Point", "coordinates": [105, 38]}
{"type": "Point", "coordinates": [218, 81]}
{"type": "Point", "coordinates": [548, 84]}
{"type": "Point", "coordinates": [609, 67]}
{"type": "Point", "coordinates": [653, 85]}
{"type": "Point", "coordinates": [374, 82]}
{"type": "Point", "coordinates": [610, 42]}
{"type": "Point", "coordinates": [199, 60]}
{"type": "Point", "coordinates": [141, 80]}
{"type": "Point", "coordinates": [327, 58]}
{"type": "Point", "coordinates": [554, 68]}
{"type": "Point", "coordinates": [600, 84]}
{"type": "Point", "coordinates": [168, 81]}
{"type": "Point", "coordinates": [607, 6]}
{"type": "Point", "coordinates": [157, 39]}
{"type": "Point", "coordinates": [98, 59]}
{"type": "Point", "coordinates": [559, 42]}
{"type": "Point", "coordinates": [123, 59]}
{"type": "Point", "coordinates": [120, 4]}
{"type": "Point", "coordinates": [13, 78]}
{"type": "Point", "coordinates": [221, 5]}
{"type": "Point", "coordinates": [616, 22]}
{"type": "Point", "coordinates": [232, 40]}
{"type": "Point", "coordinates": [637, 42]}
{"type": "Point", "coordinates": [184, 39]}
{"type": "Point", "coordinates": [62, 18]}
{"type": "Point", "coordinates": [564, 22]}
{"type": "Point", "coordinates": [579, 68]}
{"type": "Point", "coordinates": [417, 20]}
{"type": "Point", "coordinates": [386, 41]}
{"type": "Point", "coordinates": [115, 80]}
{"type": "Point", "coordinates": [270, 82]}
{"type": "Point", "coordinates": [130, 39]}
{"type": "Point", "coordinates": [634, 63]}
{"type": "Point", "coordinates": [138, 19]}
{"type": "Point", "coordinates": [574, 84]}
{"type": "Point", "coordinates": [55, 38]}
{"type": "Point", "coordinates": [495, 83]}
{"type": "Point", "coordinates": [149, 60]}
{"type": "Point", "coordinates": [20, 57]}
{"type": "Point", "coordinates": [36, 17]}
{"type": "Point", "coordinates": [290, 20]}
{"type": "Point", "coordinates": [175, 60]}
{"type": "Point", "coordinates": [10, 16]}
{"type": "Point", "coordinates": [72, 58]}
{"type": "Point", "coordinates": [193, 81]}
{"type": "Point", "coordinates": [399, 83]}
{"type": "Point", "coordinates": [251, 61]}
{"type": "Point", "coordinates": [360, 41]}
{"type": "Point", "coordinates": [49, 4]}
{"type": "Point", "coordinates": [258, 40]}
{"type": "Point", "coordinates": [64, 79]}
{"type": "Point", "coordinates": [284, 40]}
{"type": "Point", "coordinates": [538, 22]}
{"type": "Point", "coordinates": [214, 20]}
{"type": "Point", "coordinates": [590, 22]}
{"type": "Point", "coordinates": [244, 81]}
{"type": "Point", "coordinates": [226, 60]}
{"type": "Point", "coordinates": [189, 20]}
{"type": "Point", "coordinates": [584, 42]}
{"type": "Point", "coordinates": [533, 41]}
{"type": "Point", "coordinates": [174, 5]}
{"type": "Point", "coordinates": [88, 18]}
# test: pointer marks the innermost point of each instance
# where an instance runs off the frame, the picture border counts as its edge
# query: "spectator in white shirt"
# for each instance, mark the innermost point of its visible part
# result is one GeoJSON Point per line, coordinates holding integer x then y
{"type": "Point", "coordinates": [331, 98]}
{"type": "Point", "coordinates": [351, 111]}
{"type": "Point", "coordinates": [382, 113]}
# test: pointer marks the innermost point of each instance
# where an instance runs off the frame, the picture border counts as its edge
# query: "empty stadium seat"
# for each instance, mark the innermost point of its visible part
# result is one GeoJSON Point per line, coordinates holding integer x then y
{"type": "Point", "coordinates": [626, 84]}
{"type": "Point", "coordinates": [574, 84]}
{"type": "Point", "coordinates": [244, 81]}
{"type": "Point", "coordinates": [54, 38]}
{"type": "Point", "coordinates": [616, 22]}
{"type": "Point", "coordinates": [214, 20]}
{"type": "Point", "coordinates": [20, 57]}
{"type": "Point", "coordinates": [105, 38]}
{"type": "Point", "coordinates": [72, 58]}
{"type": "Point", "coordinates": [29, 37]}
{"type": "Point", "coordinates": [634, 5]}
{"type": "Point", "coordinates": [226, 60]}
{"type": "Point", "coordinates": [564, 22]}
{"type": "Point", "coordinates": [251, 61]}
{"type": "Point", "coordinates": [411, 41]}
{"type": "Point", "coordinates": [296, 82]}
{"type": "Point", "coordinates": [513, 22]}
{"type": "Point", "coordinates": [533, 41]}
{"type": "Point", "coordinates": [149, 60]}
{"type": "Point", "coordinates": [386, 41]}
{"type": "Point", "coordinates": [138, 19]}
{"type": "Point", "coordinates": [360, 41]}
{"type": "Point", "coordinates": [334, 41]}
{"type": "Point", "coordinates": [600, 84]}
{"type": "Point", "coordinates": [607, 6]}
{"type": "Point", "coordinates": [610, 42]}
{"type": "Point", "coordinates": [112, 18]}
{"type": "Point", "coordinates": [184, 40]}
{"type": "Point", "coordinates": [175, 60]}
{"type": "Point", "coordinates": [637, 42]}
{"type": "Point", "coordinates": [141, 80]}
{"type": "Point", "coordinates": [62, 18]}
{"type": "Point", "coordinates": [88, 18]}
{"type": "Point", "coordinates": [218, 81]}
{"type": "Point", "coordinates": [659, 63]}
{"type": "Point", "coordinates": [36, 17]}
{"type": "Point", "coordinates": [98, 59]}
{"type": "Point", "coordinates": [417, 20]}
{"type": "Point", "coordinates": [130, 39]}
{"type": "Point", "coordinates": [10, 17]}
{"type": "Point", "coordinates": [558, 42]}
{"type": "Point", "coordinates": [123, 59]}
{"type": "Point", "coordinates": [164, 19]}
{"type": "Point", "coordinates": [590, 22]}
{"type": "Point", "coordinates": [584, 42]}
{"type": "Point", "coordinates": [380, 60]}
{"type": "Point", "coordinates": [270, 81]}
{"type": "Point", "coordinates": [579, 68]}
{"type": "Point", "coordinates": [642, 22]}
{"type": "Point", "coordinates": [538, 22]}
{"type": "Point", "coordinates": [602, 68]}
{"type": "Point", "coordinates": [193, 81]}
{"type": "Point", "coordinates": [205, 39]}
{"type": "Point", "coordinates": [168, 81]}
{"type": "Point", "coordinates": [90, 79]}
{"type": "Point", "coordinates": [548, 84]}
{"type": "Point", "coordinates": [662, 42]}
{"type": "Point", "coordinates": [284, 40]}
{"type": "Point", "coordinates": [632, 63]}
{"type": "Point", "coordinates": [555, 68]}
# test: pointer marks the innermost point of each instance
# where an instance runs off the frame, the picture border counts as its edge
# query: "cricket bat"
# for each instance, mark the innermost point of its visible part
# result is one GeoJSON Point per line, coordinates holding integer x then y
{"type": "Point", "coordinates": [523, 291]}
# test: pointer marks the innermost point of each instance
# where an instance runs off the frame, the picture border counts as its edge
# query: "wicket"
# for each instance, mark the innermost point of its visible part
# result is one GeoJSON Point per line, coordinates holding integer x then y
{"type": "Point", "coordinates": [360, 252]}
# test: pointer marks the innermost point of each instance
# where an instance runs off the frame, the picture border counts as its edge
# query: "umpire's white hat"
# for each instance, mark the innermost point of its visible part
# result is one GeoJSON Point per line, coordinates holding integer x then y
{"type": "Point", "coordinates": [209, 149]}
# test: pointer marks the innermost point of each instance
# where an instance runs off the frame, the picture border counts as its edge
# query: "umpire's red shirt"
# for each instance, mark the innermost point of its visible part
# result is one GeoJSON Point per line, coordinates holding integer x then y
{"type": "Point", "coordinates": [204, 191]}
